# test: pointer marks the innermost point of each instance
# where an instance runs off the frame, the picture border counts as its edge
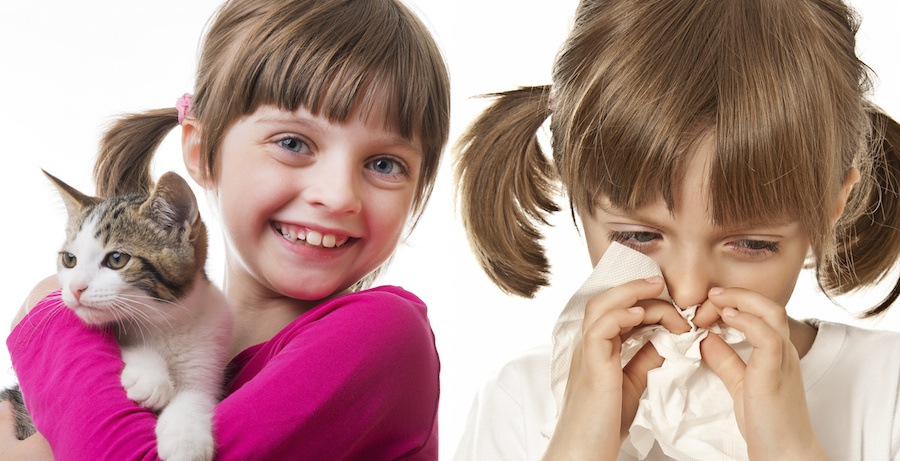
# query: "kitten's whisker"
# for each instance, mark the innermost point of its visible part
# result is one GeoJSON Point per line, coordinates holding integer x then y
{"type": "Point", "coordinates": [56, 310]}
{"type": "Point", "coordinates": [155, 318]}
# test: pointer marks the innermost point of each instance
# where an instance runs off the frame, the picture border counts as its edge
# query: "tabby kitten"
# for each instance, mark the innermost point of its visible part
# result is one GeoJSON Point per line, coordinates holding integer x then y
{"type": "Point", "coordinates": [135, 262]}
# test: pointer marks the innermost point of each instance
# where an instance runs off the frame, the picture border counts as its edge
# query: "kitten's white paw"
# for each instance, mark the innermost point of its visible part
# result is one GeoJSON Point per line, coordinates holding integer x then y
{"type": "Point", "coordinates": [184, 429]}
{"type": "Point", "coordinates": [146, 378]}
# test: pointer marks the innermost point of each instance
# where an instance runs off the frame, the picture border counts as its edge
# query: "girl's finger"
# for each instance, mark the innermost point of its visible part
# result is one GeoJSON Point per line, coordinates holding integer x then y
{"type": "Point", "coordinates": [622, 296]}
{"type": "Point", "coordinates": [706, 315]}
{"type": "Point", "coordinates": [769, 346]}
{"type": "Point", "coordinates": [750, 302]}
{"type": "Point", "coordinates": [667, 315]}
{"type": "Point", "coordinates": [658, 312]}
{"type": "Point", "coordinates": [724, 362]}
{"type": "Point", "coordinates": [598, 337]}
{"type": "Point", "coordinates": [634, 382]}
{"type": "Point", "coordinates": [635, 372]}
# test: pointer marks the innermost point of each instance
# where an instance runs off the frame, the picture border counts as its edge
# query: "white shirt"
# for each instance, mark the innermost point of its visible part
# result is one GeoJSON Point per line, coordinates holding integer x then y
{"type": "Point", "coordinates": [851, 375]}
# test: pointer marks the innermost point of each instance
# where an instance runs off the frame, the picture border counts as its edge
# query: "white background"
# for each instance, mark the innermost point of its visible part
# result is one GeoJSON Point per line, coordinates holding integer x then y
{"type": "Point", "coordinates": [67, 68]}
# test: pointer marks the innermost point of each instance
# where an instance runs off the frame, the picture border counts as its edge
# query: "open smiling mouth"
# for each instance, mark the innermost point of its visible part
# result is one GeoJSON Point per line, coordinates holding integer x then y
{"type": "Point", "coordinates": [295, 234]}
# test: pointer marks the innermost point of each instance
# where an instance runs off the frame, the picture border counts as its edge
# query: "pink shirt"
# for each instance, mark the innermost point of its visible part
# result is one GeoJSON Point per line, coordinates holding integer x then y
{"type": "Point", "coordinates": [356, 377]}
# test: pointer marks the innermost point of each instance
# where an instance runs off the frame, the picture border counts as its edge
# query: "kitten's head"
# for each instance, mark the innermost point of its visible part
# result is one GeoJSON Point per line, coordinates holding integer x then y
{"type": "Point", "coordinates": [129, 257]}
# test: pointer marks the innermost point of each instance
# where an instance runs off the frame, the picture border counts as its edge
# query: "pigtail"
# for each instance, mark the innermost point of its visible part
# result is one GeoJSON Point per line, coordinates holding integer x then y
{"type": "Point", "coordinates": [506, 186]}
{"type": "Point", "coordinates": [126, 151]}
{"type": "Point", "coordinates": [869, 249]}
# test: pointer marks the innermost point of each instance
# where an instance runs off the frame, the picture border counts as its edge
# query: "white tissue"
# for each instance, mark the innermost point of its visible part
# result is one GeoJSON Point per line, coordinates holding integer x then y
{"type": "Point", "coordinates": [686, 408]}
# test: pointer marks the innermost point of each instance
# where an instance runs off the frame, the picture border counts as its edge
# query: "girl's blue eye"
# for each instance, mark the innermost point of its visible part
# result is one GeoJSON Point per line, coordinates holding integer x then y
{"type": "Point", "coordinates": [387, 166]}
{"type": "Point", "coordinates": [293, 144]}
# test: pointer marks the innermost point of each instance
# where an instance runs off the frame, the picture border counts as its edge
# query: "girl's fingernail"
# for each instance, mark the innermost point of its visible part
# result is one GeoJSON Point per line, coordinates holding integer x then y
{"type": "Point", "coordinates": [716, 291]}
{"type": "Point", "coordinates": [635, 310]}
{"type": "Point", "coordinates": [729, 312]}
{"type": "Point", "coordinates": [654, 280]}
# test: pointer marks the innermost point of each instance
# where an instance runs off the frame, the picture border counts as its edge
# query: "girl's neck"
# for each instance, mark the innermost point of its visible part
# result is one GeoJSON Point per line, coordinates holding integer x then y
{"type": "Point", "coordinates": [259, 314]}
{"type": "Point", "coordinates": [802, 336]}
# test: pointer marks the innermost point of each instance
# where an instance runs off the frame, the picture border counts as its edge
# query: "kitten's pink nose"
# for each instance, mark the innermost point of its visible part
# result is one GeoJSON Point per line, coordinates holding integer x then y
{"type": "Point", "coordinates": [77, 293]}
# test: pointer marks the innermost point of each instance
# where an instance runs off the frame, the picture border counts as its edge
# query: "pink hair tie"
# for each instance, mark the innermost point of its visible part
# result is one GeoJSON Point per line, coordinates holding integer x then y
{"type": "Point", "coordinates": [183, 106]}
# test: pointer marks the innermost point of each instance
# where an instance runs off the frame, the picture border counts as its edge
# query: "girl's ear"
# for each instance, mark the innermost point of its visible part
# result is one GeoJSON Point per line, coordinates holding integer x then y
{"type": "Point", "coordinates": [191, 150]}
{"type": "Point", "coordinates": [850, 181]}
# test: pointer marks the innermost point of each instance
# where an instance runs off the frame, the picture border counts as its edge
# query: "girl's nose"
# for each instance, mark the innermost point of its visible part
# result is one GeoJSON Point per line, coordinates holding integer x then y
{"type": "Point", "coordinates": [335, 189]}
{"type": "Point", "coordinates": [689, 283]}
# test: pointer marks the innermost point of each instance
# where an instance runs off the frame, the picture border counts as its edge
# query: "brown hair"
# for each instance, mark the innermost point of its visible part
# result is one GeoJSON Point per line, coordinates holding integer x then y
{"type": "Point", "coordinates": [778, 85]}
{"type": "Point", "coordinates": [329, 56]}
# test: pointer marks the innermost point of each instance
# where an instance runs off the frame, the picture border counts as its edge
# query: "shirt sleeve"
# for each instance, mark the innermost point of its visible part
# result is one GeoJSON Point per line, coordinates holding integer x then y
{"type": "Point", "coordinates": [361, 382]}
{"type": "Point", "coordinates": [494, 427]}
{"type": "Point", "coordinates": [69, 376]}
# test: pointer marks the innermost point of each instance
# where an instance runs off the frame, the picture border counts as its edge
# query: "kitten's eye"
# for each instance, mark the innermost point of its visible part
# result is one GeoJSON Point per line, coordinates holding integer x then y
{"type": "Point", "coordinates": [68, 260]}
{"type": "Point", "coordinates": [116, 260]}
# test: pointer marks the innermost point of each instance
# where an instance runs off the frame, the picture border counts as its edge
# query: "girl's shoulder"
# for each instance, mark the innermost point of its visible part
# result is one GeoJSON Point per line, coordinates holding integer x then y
{"type": "Point", "coordinates": [841, 349]}
{"type": "Point", "coordinates": [852, 337]}
{"type": "Point", "coordinates": [387, 316]}
{"type": "Point", "coordinates": [382, 305]}
{"type": "Point", "coordinates": [379, 327]}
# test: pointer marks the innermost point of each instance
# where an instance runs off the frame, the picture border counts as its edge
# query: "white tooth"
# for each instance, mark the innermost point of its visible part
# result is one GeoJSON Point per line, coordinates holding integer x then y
{"type": "Point", "coordinates": [328, 241]}
{"type": "Point", "coordinates": [313, 238]}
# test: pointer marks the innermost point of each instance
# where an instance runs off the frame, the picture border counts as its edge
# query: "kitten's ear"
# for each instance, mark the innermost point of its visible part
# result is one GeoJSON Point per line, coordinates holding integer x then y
{"type": "Point", "coordinates": [173, 203]}
{"type": "Point", "coordinates": [75, 201]}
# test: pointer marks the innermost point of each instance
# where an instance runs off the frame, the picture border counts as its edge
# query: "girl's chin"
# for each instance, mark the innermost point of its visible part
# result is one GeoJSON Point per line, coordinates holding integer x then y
{"type": "Point", "coordinates": [305, 291]}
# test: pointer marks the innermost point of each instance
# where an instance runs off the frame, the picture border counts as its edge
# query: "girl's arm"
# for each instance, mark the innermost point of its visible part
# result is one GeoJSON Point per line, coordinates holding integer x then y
{"type": "Point", "coordinates": [69, 375]}
{"type": "Point", "coordinates": [34, 448]}
{"type": "Point", "coordinates": [360, 380]}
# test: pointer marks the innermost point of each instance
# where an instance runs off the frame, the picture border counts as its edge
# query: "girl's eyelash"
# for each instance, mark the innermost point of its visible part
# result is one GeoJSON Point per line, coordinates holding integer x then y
{"type": "Point", "coordinates": [633, 239]}
{"type": "Point", "coordinates": [756, 247]}
{"type": "Point", "coordinates": [280, 141]}
{"type": "Point", "coordinates": [640, 240]}
{"type": "Point", "coordinates": [404, 170]}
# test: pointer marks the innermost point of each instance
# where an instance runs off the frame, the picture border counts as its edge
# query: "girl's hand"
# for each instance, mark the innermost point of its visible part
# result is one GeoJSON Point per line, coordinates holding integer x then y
{"type": "Point", "coordinates": [39, 292]}
{"type": "Point", "coordinates": [601, 398]}
{"type": "Point", "coordinates": [34, 448]}
{"type": "Point", "coordinates": [769, 398]}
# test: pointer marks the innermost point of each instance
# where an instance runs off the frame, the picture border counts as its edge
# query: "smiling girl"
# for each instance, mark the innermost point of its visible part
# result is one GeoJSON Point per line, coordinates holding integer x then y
{"type": "Point", "coordinates": [317, 128]}
{"type": "Point", "coordinates": [730, 143]}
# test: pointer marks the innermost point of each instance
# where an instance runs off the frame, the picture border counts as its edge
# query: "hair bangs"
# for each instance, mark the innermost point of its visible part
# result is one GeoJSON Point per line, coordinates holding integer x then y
{"type": "Point", "coordinates": [626, 119]}
{"type": "Point", "coordinates": [331, 66]}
